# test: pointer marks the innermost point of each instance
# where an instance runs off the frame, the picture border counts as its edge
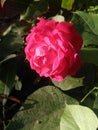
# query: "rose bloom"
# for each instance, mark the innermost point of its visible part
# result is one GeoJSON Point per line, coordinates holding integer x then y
{"type": "Point", "coordinates": [52, 49]}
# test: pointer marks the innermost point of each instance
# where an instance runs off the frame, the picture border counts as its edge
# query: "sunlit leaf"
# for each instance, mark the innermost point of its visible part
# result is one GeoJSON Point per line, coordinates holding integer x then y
{"type": "Point", "coordinates": [93, 9]}
{"type": "Point", "coordinates": [2, 2]}
{"type": "Point", "coordinates": [76, 117]}
{"type": "Point", "coordinates": [67, 4]}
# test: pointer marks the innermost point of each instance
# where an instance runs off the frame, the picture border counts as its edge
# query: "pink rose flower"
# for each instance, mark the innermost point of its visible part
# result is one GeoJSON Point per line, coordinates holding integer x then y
{"type": "Point", "coordinates": [52, 49]}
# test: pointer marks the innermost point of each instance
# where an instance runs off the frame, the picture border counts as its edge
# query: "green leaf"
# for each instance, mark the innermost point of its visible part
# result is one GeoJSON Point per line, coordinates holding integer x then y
{"type": "Point", "coordinates": [10, 42]}
{"type": "Point", "coordinates": [90, 19]}
{"type": "Point", "coordinates": [95, 94]}
{"type": "Point", "coordinates": [93, 9]}
{"type": "Point", "coordinates": [41, 110]}
{"type": "Point", "coordinates": [91, 91]}
{"type": "Point", "coordinates": [96, 102]}
{"type": "Point", "coordinates": [76, 117]}
{"type": "Point", "coordinates": [4, 90]}
{"type": "Point", "coordinates": [2, 2]}
{"type": "Point", "coordinates": [67, 4]}
{"type": "Point", "coordinates": [7, 77]}
{"type": "Point", "coordinates": [8, 57]}
{"type": "Point", "coordinates": [2, 86]}
{"type": "Point", "coordinates": [86, 24]}
{"type": "Point", "coordinates": [35, 9]}
{"type": "Point", "coordinates": [69, 83]}
{"type": "Point", "coordinates": [89, 55]}
{"type": "Point", "coordinates": [18, 84]}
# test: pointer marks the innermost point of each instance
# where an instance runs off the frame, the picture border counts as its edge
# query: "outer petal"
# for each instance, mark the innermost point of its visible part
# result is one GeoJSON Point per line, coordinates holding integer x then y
{"type": "Point", "coordinates": [71, 34]}
{"type": "Point", "coordinates": [76, 66]}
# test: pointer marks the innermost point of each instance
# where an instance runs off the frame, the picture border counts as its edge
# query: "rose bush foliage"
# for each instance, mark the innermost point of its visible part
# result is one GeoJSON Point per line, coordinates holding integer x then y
{"type": "Point", "coordinates": [52, 49]}
{"type": "Point", "coordinates": [28, 101]}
